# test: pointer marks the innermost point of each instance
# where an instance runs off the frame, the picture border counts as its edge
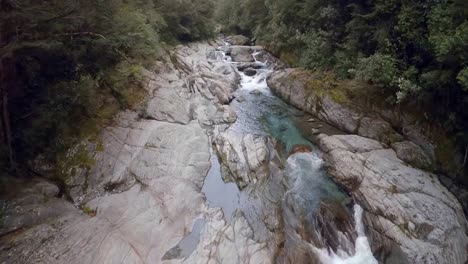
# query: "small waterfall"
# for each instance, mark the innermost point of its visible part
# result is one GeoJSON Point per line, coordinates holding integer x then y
{"type": "Point", "coordinates": [318, 216]}
{"type": "Point", "coordinates": [363, 253]}
{"type": "Point", "coordinates": [256, 82]}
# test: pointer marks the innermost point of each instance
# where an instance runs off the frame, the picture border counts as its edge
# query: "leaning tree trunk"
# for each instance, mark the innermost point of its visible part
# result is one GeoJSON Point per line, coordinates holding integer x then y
{"type": "Point", "coordinates": [7, 75]}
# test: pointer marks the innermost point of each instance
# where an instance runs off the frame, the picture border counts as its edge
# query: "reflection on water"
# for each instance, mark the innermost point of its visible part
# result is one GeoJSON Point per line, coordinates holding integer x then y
{"type": "Point", "coordinates": [218, 193]}
{"type": "Point", "coordinates": [187, 245]}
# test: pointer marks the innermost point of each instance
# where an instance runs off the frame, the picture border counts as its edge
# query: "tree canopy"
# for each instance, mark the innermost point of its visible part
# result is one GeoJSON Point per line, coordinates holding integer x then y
{"type": "Point", "coordinates": [415, 50]}
{"type": "Point", "coordinates": [67, 65]}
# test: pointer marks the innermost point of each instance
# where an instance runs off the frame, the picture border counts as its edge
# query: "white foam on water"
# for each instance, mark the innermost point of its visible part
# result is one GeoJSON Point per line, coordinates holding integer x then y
{"type": "Point", "coordinates": [256, 82]}
{"type": "Point", "coordinates": [363, 253]}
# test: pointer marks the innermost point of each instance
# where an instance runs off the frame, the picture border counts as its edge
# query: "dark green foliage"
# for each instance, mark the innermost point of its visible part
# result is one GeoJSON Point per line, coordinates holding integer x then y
{"type": "Point", "coordinates": [78, 62]}
{"type": "Point", "coordinates": [417, 51]}
{"type": "Point", "coordinates": [187, 20]}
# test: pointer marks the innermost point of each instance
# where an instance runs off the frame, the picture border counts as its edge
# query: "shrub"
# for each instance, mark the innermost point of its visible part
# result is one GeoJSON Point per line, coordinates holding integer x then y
{"type": "Point", "coordinates": [378, 68]}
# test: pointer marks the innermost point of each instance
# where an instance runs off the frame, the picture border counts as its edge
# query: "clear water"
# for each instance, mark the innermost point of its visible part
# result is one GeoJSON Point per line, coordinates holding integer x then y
{"type": "Point", "coordinates": [309, 183]}
{"type": "Point", "coordinates": [188, 244]}
{"type": "Point", "coordinates": [218, 193]}
{"type": "Point", "coordinates": [260, 112]}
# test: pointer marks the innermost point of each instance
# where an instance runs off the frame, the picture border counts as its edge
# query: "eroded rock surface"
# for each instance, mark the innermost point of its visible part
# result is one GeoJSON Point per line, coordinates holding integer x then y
{"type": "Point", "coordinates": [139, 198]}
{"type": "Point", "coordinates": [246, 156]}
{"type": "Point", "coordinates": [330, 105]}
{"type": "Point", "coordinates": [142, 192]}
{"type": "Point", "coordinates": [411, 216]}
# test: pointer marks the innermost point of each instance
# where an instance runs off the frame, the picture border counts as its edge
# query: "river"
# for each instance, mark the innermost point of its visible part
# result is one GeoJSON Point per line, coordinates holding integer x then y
{"type": "Point", "coordinates": [297, 189]}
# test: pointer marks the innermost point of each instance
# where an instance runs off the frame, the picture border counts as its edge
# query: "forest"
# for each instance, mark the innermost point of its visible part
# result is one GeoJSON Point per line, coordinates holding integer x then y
{"type": "Point", "coordinates": [234, 131]}
{"type": "Point", "coordinates": [416, 51]}
{"type": "Point", "coordinates": [68, 66]}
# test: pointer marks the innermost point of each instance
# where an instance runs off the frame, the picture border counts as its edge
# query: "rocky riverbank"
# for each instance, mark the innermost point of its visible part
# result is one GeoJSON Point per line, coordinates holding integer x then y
{"type": "Point", "coordinates": [411, 216]}
{"type": "Point", "coordinates": [147, 191]}
{"type": "Point", "coordinates": [142, 193]}
{"type": "Point", "coordinates": [359, 108]}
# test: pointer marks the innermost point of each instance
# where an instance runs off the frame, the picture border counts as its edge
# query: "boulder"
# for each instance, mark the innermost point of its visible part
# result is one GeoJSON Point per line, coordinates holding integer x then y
{"type": "Point", "coordinates": [238, 40]}
{"type": "Point", "coordinates": [379, 130]}
{"type": "Point", "coordinates": [241, 54]}
{"type": "Point", "coordinates": [246, 156]}
{"type": "Point", "coordinates": [255, 92]}
{"type": "Point", "coordinates": [267, 58]}
{"type": "Point", "coordinates": [250, 72]}
{"type": "Point", "coordinates": [414, 134]}
{"type": "Point", "coordinates": [412, 154]}
{"type": "Point", "coordinates": [253, 65]}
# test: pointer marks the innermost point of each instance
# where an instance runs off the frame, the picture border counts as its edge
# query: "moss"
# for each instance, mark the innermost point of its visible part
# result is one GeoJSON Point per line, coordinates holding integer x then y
{"type": "Point", "coordinates": [108, 110]}
{"type": "Point", "coordinates": [99, 146]}
{"type": "Point", "coordinates": [89, 211]}
{"type": "Point", "coordinates": [289, 57]}
{"type": "Point", "coordinates": [136, 95]}
{"type": "Point", "coordinates": [71, 160]}
{"type": "Point", "coordinates": [326, 84]}
{"type": "Point", "coordinates": [445, 152]}
{"type": "Point", "coordinates": [89, 129]}
{"type": "Point", "coordinates": [339, 96]}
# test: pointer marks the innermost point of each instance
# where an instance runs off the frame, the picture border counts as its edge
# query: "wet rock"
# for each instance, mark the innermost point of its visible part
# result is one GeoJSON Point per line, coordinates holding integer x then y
{"type": "Point", "coordinates": [250, 72]}
{"type": "Point", "coordinates": [240, 99]}
{"type": "Point", "coordinates": [244, 66]}
{"type": "Point", "coordinates": [255, 92]}
{"type": "Point", "coordinates": [300, 149]}
{"type": "Point", "coordinates": [334, 221]}
{"type": "Point", "coordinates": [243, 53]}
{"type": "Point", "coordinates": [412, 154]}
{"type": "Point", "coordinates": [266, 57]}
{"type": "Point", "coordinates": [393, 195]}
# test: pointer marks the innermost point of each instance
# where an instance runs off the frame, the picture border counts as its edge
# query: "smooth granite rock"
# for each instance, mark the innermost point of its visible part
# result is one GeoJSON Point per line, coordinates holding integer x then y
{"type": "Point", "coordinates": [409, 213]}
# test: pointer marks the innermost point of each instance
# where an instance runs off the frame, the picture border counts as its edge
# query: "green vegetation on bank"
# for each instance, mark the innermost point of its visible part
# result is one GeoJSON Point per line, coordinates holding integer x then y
{"type": "Point", "coordinates": [415, 51]}
{"type": "Point", "coordinates": [68, 66]}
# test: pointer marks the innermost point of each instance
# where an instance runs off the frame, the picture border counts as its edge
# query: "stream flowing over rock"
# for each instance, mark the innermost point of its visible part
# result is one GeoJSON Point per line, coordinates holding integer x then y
{"type": "Point", "coordinates": [410, 216]}
{"type": "Point", "coordinates": [194, 176]}
{"type": "Point", "coordinates": [408, 212]}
